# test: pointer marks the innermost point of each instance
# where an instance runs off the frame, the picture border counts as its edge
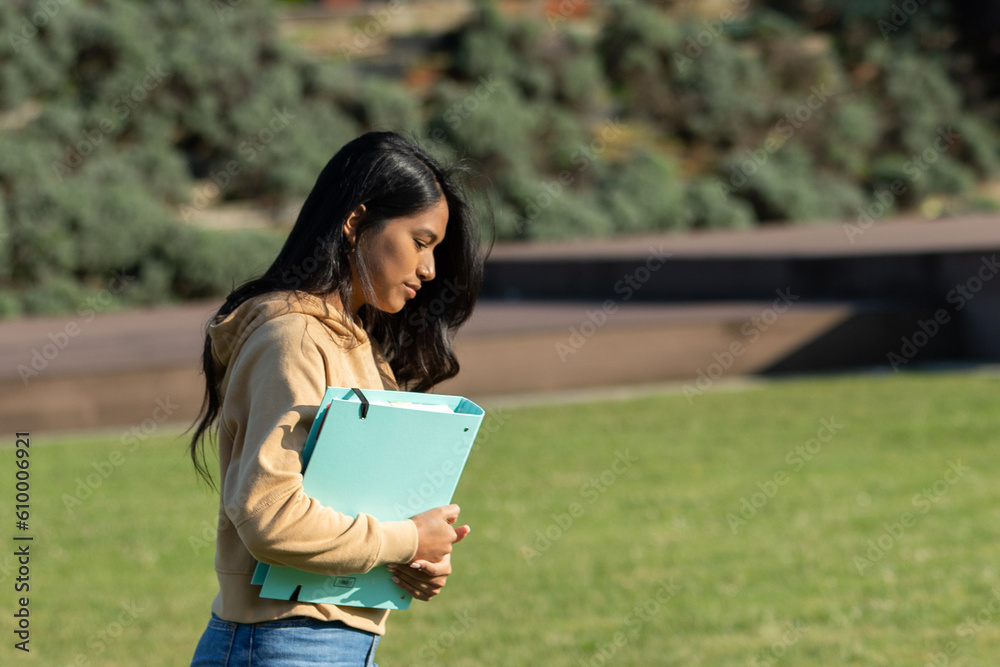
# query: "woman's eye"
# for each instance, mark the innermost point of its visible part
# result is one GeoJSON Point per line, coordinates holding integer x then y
{"type": "Point", "coordinates": [419, 244]}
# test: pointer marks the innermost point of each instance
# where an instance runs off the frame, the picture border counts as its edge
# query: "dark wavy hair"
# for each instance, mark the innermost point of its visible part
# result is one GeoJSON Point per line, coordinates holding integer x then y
{"type": "Point", "coordinates": [392, 177]}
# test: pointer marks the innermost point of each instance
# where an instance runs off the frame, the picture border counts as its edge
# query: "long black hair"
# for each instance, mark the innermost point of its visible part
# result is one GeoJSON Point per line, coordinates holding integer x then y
{"type": "Point", "coordinates": [392, 178]}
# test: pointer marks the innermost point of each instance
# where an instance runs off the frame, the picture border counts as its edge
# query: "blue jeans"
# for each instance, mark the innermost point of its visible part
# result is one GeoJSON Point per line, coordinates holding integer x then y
{"type": "Point", "coordinates": [288, 642]}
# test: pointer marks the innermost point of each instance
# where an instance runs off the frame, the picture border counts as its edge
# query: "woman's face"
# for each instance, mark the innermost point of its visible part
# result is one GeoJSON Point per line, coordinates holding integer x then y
{"type": "Point", "coordinates": [400, 258]}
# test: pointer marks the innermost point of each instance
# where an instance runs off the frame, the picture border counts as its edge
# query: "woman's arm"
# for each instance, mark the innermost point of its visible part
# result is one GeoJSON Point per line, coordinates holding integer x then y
{"type": "Point", "coordinates": [275, 386]}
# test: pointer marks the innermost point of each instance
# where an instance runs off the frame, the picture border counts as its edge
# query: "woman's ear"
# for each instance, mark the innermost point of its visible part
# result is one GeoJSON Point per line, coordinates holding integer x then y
{"type": "Point", "coordinates": [352, 223]}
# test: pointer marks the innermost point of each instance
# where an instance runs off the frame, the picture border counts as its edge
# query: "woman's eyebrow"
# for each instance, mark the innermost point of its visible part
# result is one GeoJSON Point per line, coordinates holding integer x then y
{"type": "Point", "coordinates": [424, 230]}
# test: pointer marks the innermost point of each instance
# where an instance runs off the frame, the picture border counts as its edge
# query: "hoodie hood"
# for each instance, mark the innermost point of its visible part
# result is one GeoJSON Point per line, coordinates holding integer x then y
{"type": "Point", "coordinates": [229, 332]}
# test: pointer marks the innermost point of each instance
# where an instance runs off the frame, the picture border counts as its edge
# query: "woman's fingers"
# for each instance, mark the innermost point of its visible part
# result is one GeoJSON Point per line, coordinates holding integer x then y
{"type": "Point", "coordinates": [422, 579]}
{"type": "Point", "coordinates": [451, 513]}
{"type": "Point", "coordinates": [419, 587]}
{"type": "Point", "coordinates": [428, 570]}
{"type": "Point", "coordinates": [421, 571]}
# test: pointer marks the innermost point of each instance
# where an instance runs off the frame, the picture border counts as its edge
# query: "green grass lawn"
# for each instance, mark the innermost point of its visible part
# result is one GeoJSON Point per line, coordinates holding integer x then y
{"type": "Point", "coordinates": [603, 534]}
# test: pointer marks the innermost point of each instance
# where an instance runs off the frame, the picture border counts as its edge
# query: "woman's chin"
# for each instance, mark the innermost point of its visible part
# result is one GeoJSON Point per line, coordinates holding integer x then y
{"type": "Point", "coordinates": [391, 308]}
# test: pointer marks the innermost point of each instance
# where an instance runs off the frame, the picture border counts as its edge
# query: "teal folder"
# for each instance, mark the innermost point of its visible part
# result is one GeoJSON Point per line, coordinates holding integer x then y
{"type": "Point", "coordinates": [390, 454]}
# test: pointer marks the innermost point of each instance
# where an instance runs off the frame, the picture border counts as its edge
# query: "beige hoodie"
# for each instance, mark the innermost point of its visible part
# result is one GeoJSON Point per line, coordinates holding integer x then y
{"type": "Point", "coordinates": [276, 355]}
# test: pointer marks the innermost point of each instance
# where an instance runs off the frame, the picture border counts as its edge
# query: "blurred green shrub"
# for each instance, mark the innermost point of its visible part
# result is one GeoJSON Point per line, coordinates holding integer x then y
{"type": "Point", "coordinates": [850, 137]}
{"type": "Point", "coordinates": [640, 48]}
{"type": "Point", "coordinates": [114, 109]}
{"type": "Point", "coordinates": [647, 116]}
{"type": "Point", "coordinates": [788, 185]}
{"type": "Point", "coordinates": [644, 194]}
{"type": "Point", "coordinates": [210, 262]}
{"type": "Point", "coordinates": [978, 145]}
{"type": "Point", "coordinates": [706, 206]}
{"type": "Point", "coordinates": [722, 96]}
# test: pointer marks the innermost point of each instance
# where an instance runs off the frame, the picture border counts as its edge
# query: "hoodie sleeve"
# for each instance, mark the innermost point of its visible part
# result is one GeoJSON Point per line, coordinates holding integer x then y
{"type": "Point", "coordinates": [276, 384]}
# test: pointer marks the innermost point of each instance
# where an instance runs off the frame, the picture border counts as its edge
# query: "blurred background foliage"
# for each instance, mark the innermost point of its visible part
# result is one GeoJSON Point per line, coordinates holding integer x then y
{"type": "Point", "coordinates": [126, 125]}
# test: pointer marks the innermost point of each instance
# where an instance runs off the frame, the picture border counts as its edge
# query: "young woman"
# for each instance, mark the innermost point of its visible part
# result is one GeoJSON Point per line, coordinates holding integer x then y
{"type": "Point", "coordinates": [381, 268]}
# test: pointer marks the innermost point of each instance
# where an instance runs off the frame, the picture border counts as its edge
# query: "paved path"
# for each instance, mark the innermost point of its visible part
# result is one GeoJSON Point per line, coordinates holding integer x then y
{"type": "Point", "coordinates": [121, 366]}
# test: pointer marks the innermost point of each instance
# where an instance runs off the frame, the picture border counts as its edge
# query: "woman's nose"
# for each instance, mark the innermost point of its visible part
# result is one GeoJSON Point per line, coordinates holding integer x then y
{"type": "Point", "coordinates": [426, 269]}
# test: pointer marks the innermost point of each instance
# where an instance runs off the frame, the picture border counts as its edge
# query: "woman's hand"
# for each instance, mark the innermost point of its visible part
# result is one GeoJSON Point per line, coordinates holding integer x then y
{"type": "Point", "coordinates": [424, 579]}
{"type": "Point", "coordinates": [436, 534]}
{"type": "Point", "coordinates": [421, 579]}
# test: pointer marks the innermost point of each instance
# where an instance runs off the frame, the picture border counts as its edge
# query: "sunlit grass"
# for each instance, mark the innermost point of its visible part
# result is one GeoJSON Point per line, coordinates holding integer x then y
{"type": "Point", "coordinates": [603, 533]}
